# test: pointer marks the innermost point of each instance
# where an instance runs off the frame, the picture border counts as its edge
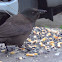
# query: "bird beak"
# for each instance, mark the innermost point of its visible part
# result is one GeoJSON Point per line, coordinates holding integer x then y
{"type": "Point", "coordinates": [42, 11]}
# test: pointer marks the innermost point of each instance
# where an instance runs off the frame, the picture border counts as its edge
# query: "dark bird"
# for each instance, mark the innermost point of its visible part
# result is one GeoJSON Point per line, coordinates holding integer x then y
{"type": "Point", "coordinates": [17, 28]}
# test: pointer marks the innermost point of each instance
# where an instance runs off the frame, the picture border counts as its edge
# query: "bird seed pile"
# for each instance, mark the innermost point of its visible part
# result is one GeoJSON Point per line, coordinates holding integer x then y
{"type": "Point", "coordinates": [42, 40]}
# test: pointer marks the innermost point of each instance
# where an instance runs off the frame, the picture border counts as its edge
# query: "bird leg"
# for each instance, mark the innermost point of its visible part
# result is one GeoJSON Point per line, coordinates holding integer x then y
{"type": "Point", "coordinates": [6, 48]}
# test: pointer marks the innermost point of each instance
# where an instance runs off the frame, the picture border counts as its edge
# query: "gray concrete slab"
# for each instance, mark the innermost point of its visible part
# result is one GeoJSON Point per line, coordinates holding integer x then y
{"type": "Point", "coordinates": [46, 22]}
{"type": "Point", "coordinates": [50, 57]}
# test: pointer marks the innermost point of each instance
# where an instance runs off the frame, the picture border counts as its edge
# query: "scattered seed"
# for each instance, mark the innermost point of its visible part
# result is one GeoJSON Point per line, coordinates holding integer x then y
{"type": "Point", "coordinates": [57, 54]}
{"type": "Point", "coordinates": [3, 51]}
{"type": "Point", "coordinates": [0, 61]}
{"type": "Point", "coordinates": [30, 54]}
{"type": "Point", "coordinates": [12, 52]}
{"type": "Point", "coordinates": [20, 58]}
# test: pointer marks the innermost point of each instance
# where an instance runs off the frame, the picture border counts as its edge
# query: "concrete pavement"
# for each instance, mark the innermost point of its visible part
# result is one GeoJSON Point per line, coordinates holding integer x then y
{"type": "Point", "coordinates": [46, 22]}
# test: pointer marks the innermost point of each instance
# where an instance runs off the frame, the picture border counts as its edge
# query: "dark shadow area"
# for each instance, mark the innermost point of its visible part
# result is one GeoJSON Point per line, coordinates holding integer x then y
{"type": "Point", "coordinates": [5, 0]}
{"type": "Point", "coordinates": [3, 17]}
{"type": "Point", "coordinates": [51, 11]}
{"type": "Point", "coordinates": [57, 10]}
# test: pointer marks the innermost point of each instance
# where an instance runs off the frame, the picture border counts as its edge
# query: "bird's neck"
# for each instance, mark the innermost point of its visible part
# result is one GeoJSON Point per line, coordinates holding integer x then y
{"type": "Point", "coordinates": [29, 18]}
{"type": "Point", "coordinates": [32, 21]}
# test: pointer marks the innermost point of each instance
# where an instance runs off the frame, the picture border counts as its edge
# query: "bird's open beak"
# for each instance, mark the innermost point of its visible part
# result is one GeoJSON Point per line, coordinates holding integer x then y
{"type": "Point", "coordinates": [42, 11]}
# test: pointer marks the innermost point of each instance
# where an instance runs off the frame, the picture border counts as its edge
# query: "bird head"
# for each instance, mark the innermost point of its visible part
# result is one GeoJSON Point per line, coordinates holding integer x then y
{"type": "Point", "coordinates": [33, 13]}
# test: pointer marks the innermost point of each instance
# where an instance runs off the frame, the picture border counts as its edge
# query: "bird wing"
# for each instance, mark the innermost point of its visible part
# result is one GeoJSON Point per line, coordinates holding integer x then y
{"type": "Point", "coordinates": [13, 28]}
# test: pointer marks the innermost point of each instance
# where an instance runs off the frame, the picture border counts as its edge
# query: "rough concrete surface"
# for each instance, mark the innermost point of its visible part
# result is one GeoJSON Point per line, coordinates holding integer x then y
{"type": "Point", "coordinates": [51, 57]}
{"type": "Point", "coordinates": [46, 22]}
